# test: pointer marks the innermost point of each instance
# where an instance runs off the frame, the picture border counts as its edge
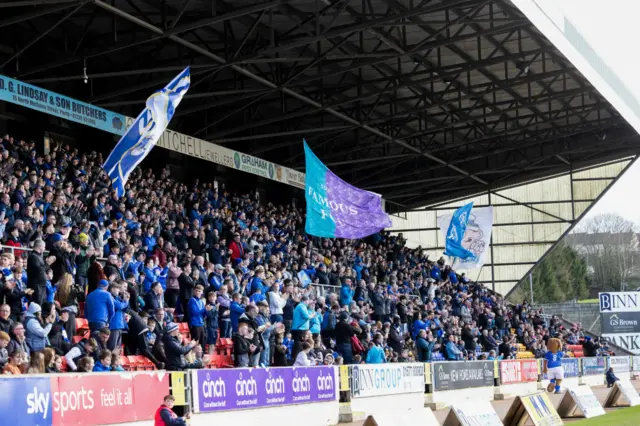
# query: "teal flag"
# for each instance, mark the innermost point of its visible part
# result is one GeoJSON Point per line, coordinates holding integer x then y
{"type": "Point", "coordinates": [336, 209]}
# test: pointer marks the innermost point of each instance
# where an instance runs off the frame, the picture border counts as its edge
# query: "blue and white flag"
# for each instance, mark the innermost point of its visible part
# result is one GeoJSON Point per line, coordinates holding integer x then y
{"type": "Point", "coordinates": [476, 239]}
{"type": "Point", "coordinates": [455, 233]}
{"type": "Point", "coordinates": [145, 131]}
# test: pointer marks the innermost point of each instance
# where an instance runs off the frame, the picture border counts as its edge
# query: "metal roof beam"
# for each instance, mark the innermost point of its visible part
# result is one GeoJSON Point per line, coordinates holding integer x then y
{"type": "Point", "coordinates": [285, 90]}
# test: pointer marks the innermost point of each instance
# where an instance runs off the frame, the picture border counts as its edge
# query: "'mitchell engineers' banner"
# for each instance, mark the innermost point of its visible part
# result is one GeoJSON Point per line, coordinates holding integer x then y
{"type": "Point", "coordinates": [52, 103]}
{"type": "Point", "coordinates": [386, 379]}
{"type": "Point", "coordinates": [620, 319]}
{"type": "Point", "coordinates": [241, 388]}
{"type": "Point", "coordinates": [462, 375]}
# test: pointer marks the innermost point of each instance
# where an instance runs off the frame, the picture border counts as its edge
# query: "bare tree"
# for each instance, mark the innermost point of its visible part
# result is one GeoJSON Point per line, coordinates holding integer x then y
{"type": "Point", "coordinates": [610, 246]}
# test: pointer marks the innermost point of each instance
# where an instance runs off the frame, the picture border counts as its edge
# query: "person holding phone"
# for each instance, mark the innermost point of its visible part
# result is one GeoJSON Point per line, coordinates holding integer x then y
{"type": "Point", "coordinates": [166, 417]}
{"type": "Point", "coordinates": [174, 349]}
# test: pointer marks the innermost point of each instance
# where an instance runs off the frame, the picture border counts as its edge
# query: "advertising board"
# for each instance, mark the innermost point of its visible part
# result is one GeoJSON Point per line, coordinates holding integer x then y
{"type": "Point", "coordinates": [593, 366]}
{"type": "Point", "coordinates": [242, 388]}
{"type": "Point", "coordinates": [462, 375]}
{"type": "Point", "coordinates": [620, 322]}
{"type": "Point", "coordinates": [518, 371]}
{"type": "Point", "coordinates": [87, 399]}
{"type": "Point", "coordinates": [386, 379]}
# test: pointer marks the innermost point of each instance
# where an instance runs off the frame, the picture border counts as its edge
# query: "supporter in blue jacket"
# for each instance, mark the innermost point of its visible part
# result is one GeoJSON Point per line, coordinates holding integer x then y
{"type": "Point", "coordinates": [452, 351]}
{"type": "Point", "coordinates": [104, 361]}
{"type": "Point", "coordinates": [236, 311]}
{"type": "Point", "coordinates": [315, 324]}
{"type": "Point", "coordinates": [99, 307]}
{"type": "Point", "coordinates": [375, 355]}
{"type": "Point", "coordinates": [346, 294]}
{"type": "Point", "coordinates": [117, 323]}
{"type": "Point", "coordinates": [197, 313]}
{"type": "Point", "coordinates": [301, 318]}
{"type": "Point", "coordinates": [216, 279]}
{"type": "Point", "coordinates": [51, 288]}
{"type": "Point", "coordinates": [150, 275]}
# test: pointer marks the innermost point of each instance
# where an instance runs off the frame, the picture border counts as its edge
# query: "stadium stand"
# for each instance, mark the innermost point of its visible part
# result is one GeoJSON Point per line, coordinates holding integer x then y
{"type": "Point", "coordinates": [176, 276]}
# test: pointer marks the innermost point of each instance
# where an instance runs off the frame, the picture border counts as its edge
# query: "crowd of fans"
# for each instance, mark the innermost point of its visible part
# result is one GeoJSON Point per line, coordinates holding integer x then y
{"type": "Point", "coordinates": [229, 266]}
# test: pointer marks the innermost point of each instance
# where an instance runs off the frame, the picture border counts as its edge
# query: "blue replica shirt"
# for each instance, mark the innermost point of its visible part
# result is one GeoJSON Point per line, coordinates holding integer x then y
{"type": "Point", "coordinates": [553, 360]}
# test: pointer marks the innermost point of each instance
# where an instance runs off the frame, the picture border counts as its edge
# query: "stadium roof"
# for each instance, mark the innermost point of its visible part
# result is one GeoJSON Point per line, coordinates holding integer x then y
{"type": "Point", "coordinates": [421, 101]}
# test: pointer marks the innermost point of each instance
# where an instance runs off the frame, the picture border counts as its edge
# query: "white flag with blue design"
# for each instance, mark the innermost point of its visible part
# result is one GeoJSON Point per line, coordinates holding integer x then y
{"type": "Point", "coordinates": [145, 131]}
{"type": "Point", "coordinates": [476, 238]}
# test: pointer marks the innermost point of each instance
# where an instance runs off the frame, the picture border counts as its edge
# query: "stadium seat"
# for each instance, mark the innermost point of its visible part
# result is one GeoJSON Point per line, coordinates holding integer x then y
{"type": "Point", "coordinates": [64, 367]}
{"type": "Point", "coordinates": [82, 326]}
{"type": "Point", "coordinates": [77, 339]}
{"type": "Point", "coordinates": [224, 347]}
{"type": "Point", "coordinates": [125, 363]}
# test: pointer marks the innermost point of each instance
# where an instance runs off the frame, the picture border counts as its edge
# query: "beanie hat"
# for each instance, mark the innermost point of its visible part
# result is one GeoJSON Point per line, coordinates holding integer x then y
{"type": "Point", "coordinates": [103, 283]}
{"type": "Point", "coordinates": [57, 237]}
{"type": "Point", "coordinates": [171, 327]}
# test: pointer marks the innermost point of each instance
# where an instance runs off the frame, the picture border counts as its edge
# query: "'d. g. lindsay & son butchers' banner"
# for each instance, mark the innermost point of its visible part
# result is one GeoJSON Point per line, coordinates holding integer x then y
{"type": "Point", "coordinates": [241, 388]}
{"type": "Point", "coordinates": [386, 379]}
{"type": "Point", "coordinates": [52, 103]}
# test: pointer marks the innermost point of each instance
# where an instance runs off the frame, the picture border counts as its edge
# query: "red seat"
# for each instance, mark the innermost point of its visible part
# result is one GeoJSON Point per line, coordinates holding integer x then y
{"type": "Point", "coordinates": [82, 326]}
{"type": "Point", "coordinates": [140, 363]}
{"type": "Point", "coordinates": [77, 339]}
{"type": "Point", "coordinates": [125, 363]}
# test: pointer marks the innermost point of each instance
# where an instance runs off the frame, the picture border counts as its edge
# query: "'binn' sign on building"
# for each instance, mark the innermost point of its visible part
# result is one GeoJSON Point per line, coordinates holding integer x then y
{"type": "Point", "coordinates": [620, 319]}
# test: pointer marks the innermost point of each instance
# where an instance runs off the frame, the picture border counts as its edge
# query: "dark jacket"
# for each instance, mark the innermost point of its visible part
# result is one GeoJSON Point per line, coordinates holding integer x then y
{"type": "Point", "coordinates": [36, 268]}
{"type": "Point", "coordinates": [63, 264]}
{"type": "Point", "coordinates": [240, 347]}
{"type": "Point", "coordinates": [395, 340]}
{"type": "Point", "coordinates": [175, 353]}
{"type": "Point", "coordinates": [186, 287]}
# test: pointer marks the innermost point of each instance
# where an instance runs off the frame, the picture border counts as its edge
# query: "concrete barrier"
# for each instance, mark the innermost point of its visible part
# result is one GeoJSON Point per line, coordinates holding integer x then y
{"type": "Point", "coordinates": [317, 414]}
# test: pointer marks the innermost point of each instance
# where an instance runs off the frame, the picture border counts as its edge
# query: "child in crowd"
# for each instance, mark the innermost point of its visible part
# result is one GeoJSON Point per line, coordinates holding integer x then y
{"type": "Point", "coordinates": [116, 362]}
{"type": "Point", "coordinates": [85, 365]}
{"type": "Point", "coordinates": [58, 363]}
{"type": "Point", "coordinates": [4, 342]}
{"type": "Point", "coordinates": [288, 342]}
{"type": "Point", "coordinates": [211, 321]}
{"type": "Point", "coordinates": [14, 366]}
{"type": "Point", "coordinates": [51, 288]}
{"type": "Point", "coordinates": [104, 361]}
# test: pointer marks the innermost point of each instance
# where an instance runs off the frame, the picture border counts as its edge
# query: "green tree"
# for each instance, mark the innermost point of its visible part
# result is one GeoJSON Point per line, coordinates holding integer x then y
{"type": "Point", "coordinates": [561, 276]}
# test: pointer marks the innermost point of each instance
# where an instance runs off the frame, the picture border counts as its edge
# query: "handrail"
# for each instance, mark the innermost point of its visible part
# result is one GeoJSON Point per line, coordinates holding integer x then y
{"type": "Point", "coordinates": [13, 249]}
